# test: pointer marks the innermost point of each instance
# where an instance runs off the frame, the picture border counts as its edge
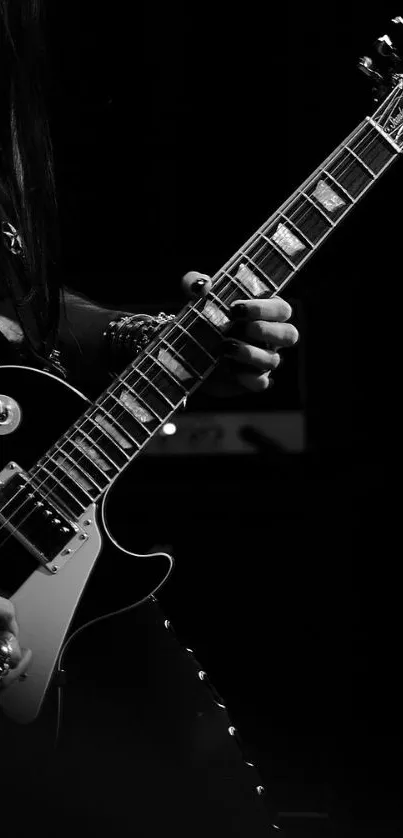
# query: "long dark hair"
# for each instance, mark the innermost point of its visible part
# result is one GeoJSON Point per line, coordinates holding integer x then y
{"type": "Point", "coordinates": [27, 181]}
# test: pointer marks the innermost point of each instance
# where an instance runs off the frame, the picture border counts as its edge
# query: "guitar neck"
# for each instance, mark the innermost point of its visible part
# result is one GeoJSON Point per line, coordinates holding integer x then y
{"type": "Point", "coordinates": [89, 457]}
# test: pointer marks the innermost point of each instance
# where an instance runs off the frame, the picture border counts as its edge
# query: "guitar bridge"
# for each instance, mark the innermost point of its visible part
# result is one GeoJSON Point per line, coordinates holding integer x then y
{"type": "Point", "coordinates": [32, 517]}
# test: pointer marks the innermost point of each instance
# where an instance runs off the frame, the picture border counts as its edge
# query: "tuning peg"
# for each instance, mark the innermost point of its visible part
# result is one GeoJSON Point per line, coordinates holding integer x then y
{"type": "Point", "coordinates": [366, 65]}
{"type": "Point", "coordinates": [386, 49]}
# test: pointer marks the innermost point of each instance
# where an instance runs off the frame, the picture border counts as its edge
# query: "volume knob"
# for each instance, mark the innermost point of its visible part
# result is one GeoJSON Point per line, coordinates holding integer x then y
{"type": "Point", "coordinates": [10, 415]}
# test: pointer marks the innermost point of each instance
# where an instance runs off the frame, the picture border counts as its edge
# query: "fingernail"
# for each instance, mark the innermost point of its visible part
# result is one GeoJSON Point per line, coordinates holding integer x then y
{"type": "Point", "coordinates": [198, 285]}
{"type": "Point", "coordinates": [238, 310]}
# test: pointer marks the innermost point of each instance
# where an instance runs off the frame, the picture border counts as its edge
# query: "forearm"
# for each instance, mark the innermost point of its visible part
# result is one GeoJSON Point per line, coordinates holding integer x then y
{"type": "Point", "coordinates": [82, 323]}
{"type": "Point", "coordinates": [81, 328]}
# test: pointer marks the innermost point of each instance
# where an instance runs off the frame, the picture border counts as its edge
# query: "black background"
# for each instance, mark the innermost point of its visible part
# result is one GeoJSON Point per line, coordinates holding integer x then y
{"type": "Point", "coordinates": [178, 128]}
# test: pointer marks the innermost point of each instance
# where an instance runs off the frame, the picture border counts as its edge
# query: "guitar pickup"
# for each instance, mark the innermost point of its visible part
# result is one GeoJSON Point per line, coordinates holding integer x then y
{"type": "Point", "coordinates": [31, 516]}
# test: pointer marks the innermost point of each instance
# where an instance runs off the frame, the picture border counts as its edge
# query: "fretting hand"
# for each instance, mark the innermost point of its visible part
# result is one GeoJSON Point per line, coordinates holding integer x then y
{"type": "Point", "coordinates": [251, 347]}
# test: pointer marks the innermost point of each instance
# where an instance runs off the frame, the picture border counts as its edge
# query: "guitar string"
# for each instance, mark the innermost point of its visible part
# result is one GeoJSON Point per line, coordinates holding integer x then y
{"type": "Point", "coordinates": [147, 387]}
{"type": "Point", "coordinates": [44, 481]}
{"type": "Point", "coordinates": [184, 312]}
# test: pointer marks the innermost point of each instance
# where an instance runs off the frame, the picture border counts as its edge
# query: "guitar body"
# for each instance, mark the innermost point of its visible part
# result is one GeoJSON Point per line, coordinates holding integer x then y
{"type": "Point", "coordinates": [40, 408]}
{"type": "Point", "coordinates": [143, 742]}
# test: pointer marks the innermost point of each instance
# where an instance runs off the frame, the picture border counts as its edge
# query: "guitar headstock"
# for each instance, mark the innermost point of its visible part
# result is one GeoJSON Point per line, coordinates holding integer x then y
{"type": "Point", "coordinates": [386, 74]}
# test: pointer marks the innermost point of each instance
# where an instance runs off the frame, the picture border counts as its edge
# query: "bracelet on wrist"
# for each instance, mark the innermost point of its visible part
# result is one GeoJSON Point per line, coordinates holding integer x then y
{"type": "Point", "coordinates": [124, 338]}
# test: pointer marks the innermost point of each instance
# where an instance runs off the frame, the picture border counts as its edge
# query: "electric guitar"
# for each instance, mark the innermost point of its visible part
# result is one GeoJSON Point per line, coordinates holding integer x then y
{"type": "Point", "coordinates": [57, 477]}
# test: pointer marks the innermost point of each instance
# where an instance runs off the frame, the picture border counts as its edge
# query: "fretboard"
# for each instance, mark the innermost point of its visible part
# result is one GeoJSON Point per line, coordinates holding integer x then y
{"type": "Point", "coordinates": [94, 451]}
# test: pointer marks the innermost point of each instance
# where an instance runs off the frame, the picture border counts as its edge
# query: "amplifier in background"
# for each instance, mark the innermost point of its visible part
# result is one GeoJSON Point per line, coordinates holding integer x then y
{"type": "Point", "coordinates": [230, 433]}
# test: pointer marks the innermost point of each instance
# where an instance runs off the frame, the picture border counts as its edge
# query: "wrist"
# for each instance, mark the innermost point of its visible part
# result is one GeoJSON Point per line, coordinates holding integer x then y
{"type": "Point", "coordinates": [124, 337]}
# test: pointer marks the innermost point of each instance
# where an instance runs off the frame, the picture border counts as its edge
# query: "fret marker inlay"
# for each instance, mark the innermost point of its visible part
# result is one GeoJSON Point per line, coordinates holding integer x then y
{"type": "Point", "coordinates": [215, 315]}
{"type": "Point", "coordinates": [93, 454]}
{"type": "Point", "coordinates": [172, 365]}
{"type": "Point", "coordinates": [251, 282]}
{"type": "Point", "coordinates": [112, 431]}
{"type": "Point", "coordinates": [139, 412]}
{"type": "Point", "coordinates": [327, 197]}
{"type": "Point", "coordinates": [287, 241]}
{"type": "Point", "coordinates": [69, 469]}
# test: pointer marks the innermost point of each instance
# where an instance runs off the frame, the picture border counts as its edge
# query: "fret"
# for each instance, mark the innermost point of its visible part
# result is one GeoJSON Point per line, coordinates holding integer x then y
{"type": "Point", "coordinates": [116, 430]}
{"type": "Point", "coordinates": [349, 197]}
{"type": "Point", "coordinates": [243, 287]}
{"type": "Point", "coordinates": [298, 232]}
{"type": "Point", "coordinates": [251, 281]}
{"type": "Point", "coordinates": [67, 440]}
{"type": "Point", "coordinates": [136, 430]}
{"type": "Point", "coordinates": [246, 256]}
{"type": "Point", "coordinates": [381, 133]}
{"type": "Point", "coordinates": [81, 483]}
{"type": "Point", "coordinates": [217, 299]}
{"type": "Point", "coordinates": [107, 436]}
{"type": "Point", "coordinates": [288, 241]}
{"type": "Point", "coordinates": [111, 436]}
{"type": "Point", "coordinates": [214, 315]}
{"type": "Point", "coordinates": [166, 383]}
{"type": "Point", "coordinates": [175, 360]}
{"type": "Point", "coordinates": [158, 401]}
{"type": "Point", "coordinates": [78, 476]}
{"type": "Point", "coordinates": [164, 361]}
{"type": "Point", "coordinates": [200, 348]}
{"type": "Point", "coordinates": [141, 409]}
{"type": "Point", "coordinates": [190, 349]}
{"type": "Point", "coordinates": [351, 173]}
{"type": "Point", "coordinates": [307, 218]}
{"type": "Point", "coordinates": [375, 150]}
{"type": "Point", "coordinates": [73, 449]}
{"type": "Point", "coordinates": [225, 288]}
{"type": "Point", "coordinates": [49, 480]}
{"type": "Point", "coordinates": [279, 250]}
{"type": "Point", "coordinates": [85, 494]}
{"type": "Point", "coordinates": [257, 269]}
{"type": "Point", "coordinates": [76, 473]}
{"type": "Point", "coordinates": [233, 287]}
{"type": "Point", "coordinates": [265, 258]}
{"type": "Point", "coordinates": [361, 162]}
{"type": "Point", "coordinates": [175, 363]}
{"type": "Point", "coordinates": [329, 199]}
{"type": "Point", "coordinates": [64, 497]}
{"type": "Point", "coordinates": [218, 302]}
{"type": "Point", "coordinates": [319, 209]}
{"type": "Point", "coordinates": [150, 411]}
{"type": "Point", "coordinates": [202, 330]}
